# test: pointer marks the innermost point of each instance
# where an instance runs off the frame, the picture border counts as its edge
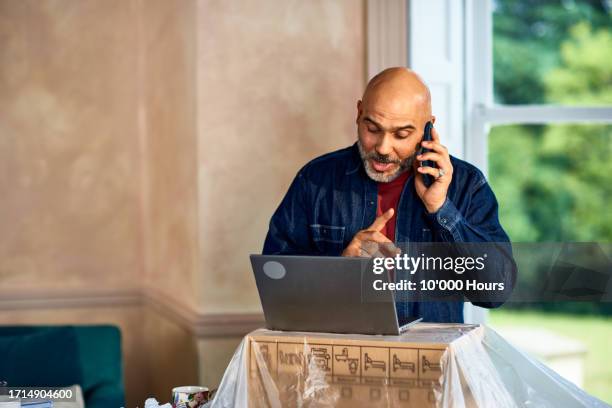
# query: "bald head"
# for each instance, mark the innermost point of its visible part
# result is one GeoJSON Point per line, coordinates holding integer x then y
{"type": "Point", "coordinates": [391, 119]}
{"type": "Point", "coordinates": [398, 89]}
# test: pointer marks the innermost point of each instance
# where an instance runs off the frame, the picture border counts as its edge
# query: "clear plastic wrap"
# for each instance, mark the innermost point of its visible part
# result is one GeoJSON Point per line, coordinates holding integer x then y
{"type": "Point", "coordinates": [432, 365]}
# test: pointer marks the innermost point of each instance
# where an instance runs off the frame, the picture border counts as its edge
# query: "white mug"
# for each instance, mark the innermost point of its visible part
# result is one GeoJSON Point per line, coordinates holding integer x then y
{"type": "Point", "coordinates": [190, 396]}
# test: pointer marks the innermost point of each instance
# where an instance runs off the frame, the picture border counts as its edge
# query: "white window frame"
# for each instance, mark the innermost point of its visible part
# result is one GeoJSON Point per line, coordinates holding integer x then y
{"type": "Point", "coordinates": [481, 113]}
{"type": "Point", "coordinates": [399, 34]}
{"type": "Point", "coordinates": [387, 37]}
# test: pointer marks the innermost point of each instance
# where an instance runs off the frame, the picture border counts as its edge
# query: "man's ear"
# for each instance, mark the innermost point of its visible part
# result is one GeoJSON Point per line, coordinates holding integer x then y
{"type": "Point", "coordinates": [358, 111]}
{"type": "Point", "coordinates": [433, 119]}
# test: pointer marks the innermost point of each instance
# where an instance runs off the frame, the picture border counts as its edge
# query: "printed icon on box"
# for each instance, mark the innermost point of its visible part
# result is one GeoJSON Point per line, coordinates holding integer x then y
{"type": "Point", "coordinates": [369, 363]}
{"type": "Point", "coordinates": [402, 365]}
{"type": "Point", "coordinates": [262, 354]}
{"type": "Point", "coordinates": [428, 365]}
{"type": "Point", "coordinates": [353, 363]}
{"type": "Point", "coordinates": [346, 392]}
{"type": "Point", "coordinates": [320, 357]}
{"type": "Point", "coordinates": [375, 362]}
{"type": "Point", "coordinates": [293, 359]}
{"type": "Point", "coordinates": [404, 395]}
{"type": "Point", "coordinates": [264, 349]}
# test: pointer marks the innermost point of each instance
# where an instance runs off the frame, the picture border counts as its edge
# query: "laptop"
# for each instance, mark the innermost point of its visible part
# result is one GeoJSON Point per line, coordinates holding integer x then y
{"type": "Point", "coordinates": [324, 294]}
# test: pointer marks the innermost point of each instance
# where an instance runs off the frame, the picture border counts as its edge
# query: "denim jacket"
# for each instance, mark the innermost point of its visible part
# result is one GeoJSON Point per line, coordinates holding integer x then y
{"type": "Point", "coordinates": [332, 198]}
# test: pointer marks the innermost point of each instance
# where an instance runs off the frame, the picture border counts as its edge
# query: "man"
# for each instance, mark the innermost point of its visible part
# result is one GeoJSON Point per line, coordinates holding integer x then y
{"type": "Point", "coordinates": [360, 200]}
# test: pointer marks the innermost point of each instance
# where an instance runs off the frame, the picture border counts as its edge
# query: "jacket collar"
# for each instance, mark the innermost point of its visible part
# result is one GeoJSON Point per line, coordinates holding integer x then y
{"type": "Point", "coordinates": [356, 163]}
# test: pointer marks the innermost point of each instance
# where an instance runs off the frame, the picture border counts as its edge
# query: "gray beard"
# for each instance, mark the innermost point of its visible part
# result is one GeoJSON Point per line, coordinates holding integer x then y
{"type": "Point", "coordinates": [375, 175]}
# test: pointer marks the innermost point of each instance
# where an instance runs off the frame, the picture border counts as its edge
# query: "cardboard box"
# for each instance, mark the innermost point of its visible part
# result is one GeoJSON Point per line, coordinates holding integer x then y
{"type": "Point", "coordinates": [313, 369]}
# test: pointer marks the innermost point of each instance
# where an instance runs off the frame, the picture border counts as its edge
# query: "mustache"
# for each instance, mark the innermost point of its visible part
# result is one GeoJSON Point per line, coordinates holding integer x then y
{"type": "Point", "coordinates": [385, 159]}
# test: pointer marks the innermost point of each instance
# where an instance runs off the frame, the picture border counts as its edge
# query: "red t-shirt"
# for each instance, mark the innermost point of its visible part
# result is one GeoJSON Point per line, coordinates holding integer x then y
{"type": "Point", "coordinates": [388, 197]}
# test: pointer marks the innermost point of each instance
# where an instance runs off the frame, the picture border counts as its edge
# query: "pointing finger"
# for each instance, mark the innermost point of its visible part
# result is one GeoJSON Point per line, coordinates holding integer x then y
{"type": "Point", "coordinates": [380, 222]}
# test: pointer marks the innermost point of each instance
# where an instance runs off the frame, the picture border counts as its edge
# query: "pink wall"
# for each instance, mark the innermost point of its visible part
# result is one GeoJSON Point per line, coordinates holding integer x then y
{"type": "Point", "coordinates": [68, 144]}
{"type": "Point", "coordinates": [278, 83]}
{"type": "Point", "coordinates": [144, 146]}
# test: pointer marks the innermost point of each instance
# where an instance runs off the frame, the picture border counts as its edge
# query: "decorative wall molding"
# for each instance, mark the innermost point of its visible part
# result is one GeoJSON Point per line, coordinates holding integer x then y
{"type": "Point", "coordinates": [200, 323]}
{"type": "Point", "coordinates": [37, 298]}
{"type": "Point", "coordinates": [387, 42]}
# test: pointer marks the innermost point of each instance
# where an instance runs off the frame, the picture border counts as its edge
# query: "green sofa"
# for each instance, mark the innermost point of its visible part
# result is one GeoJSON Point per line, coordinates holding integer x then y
{"type": "Point", "coordinates": [61, 356]}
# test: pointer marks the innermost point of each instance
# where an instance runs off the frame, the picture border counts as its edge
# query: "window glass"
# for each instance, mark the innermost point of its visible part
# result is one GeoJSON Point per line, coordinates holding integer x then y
{"type": "Point", "coordinates": [552, 52]}
{"type": "Point", "coordinates": [554, 182]}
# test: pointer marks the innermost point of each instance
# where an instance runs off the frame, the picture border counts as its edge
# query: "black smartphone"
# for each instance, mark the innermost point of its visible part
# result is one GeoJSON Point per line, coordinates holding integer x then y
{"type": "Point", "coordinates": [427, 179]}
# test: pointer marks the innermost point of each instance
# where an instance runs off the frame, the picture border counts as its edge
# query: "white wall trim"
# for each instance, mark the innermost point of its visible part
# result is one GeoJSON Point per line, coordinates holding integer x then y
{"type": "Point", "coordinates": [387, 42]}
{"type": "Point", "coordinates": [543, 114]}
{"type": "Point", "coordinates": [198, 322]}
{"type": "Point", "coordinates": [478, 36]}
{"type": "Point", "coordinates": [35, 298]}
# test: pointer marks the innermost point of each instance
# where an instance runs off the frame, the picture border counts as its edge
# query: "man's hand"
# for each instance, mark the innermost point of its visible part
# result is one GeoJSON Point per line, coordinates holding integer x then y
{"type": "Point", "coordinates": [370, 242]}
{"type": "Point", "coordinates": [434, 196]}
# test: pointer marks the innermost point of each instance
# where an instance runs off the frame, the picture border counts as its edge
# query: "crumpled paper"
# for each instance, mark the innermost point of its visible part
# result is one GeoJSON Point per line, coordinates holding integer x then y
{"type": "Point", "coordinates": [153, 403]}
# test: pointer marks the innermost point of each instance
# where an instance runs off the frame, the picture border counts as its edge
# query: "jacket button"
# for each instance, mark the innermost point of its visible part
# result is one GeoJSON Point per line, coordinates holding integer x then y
{"type": "Point", "coordinates": [371, 202]}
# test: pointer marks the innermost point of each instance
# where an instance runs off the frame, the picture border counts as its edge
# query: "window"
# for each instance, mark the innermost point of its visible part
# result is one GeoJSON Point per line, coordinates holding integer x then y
{"type": "Point", "coordinates": [539, 122]}
{"type": "Point", "coordinates": [535, 63]}
{"type": "Point", "coordinates": [541, 96]}
{"type": "Point", "coordinates": [515, 81]}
